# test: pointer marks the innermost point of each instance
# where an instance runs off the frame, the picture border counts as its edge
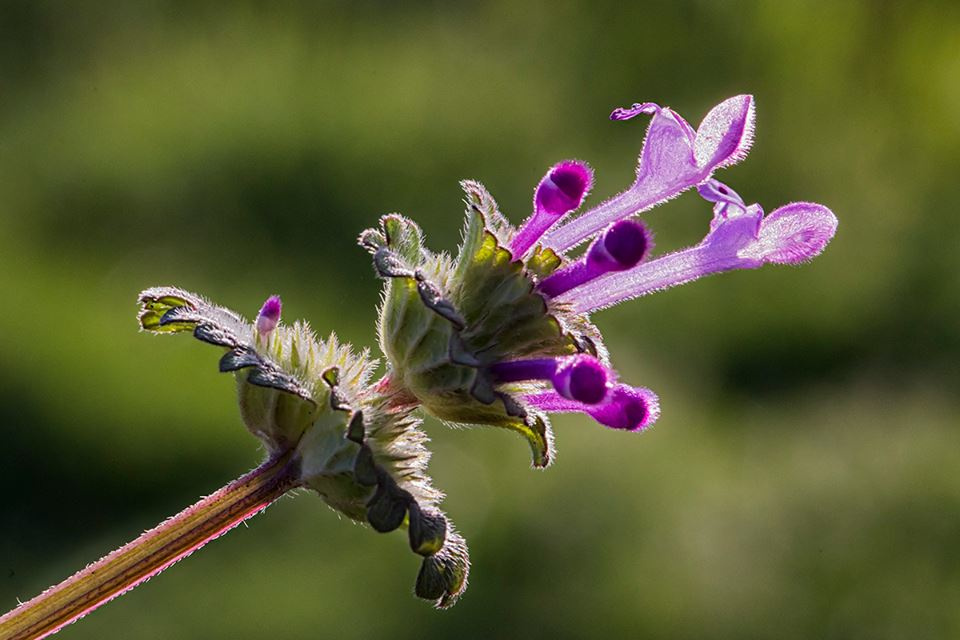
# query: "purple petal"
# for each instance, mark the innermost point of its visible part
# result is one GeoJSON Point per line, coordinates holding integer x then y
{"type": "Point", "coordinates": [739, 239]}
{"type": "Point", "coordinates": [561, 191]}
{"type": "Point", "coordinates": [726, 133]}
{"type": "Point", "coordinates": [630, 409]}
{"type": "Point", "coordinates": [269, 315]}
{"type": "Point", "coordinates": [733, 229]}
{"type": "Point", "coordinates": [626, 408]}
{"type": "Point", "coordinates": [666, 167]}
{"type": "Point", "coordinates": [793, 233]}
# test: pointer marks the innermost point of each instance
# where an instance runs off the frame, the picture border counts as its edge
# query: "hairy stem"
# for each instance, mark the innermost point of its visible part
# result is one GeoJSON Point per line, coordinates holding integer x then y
{"type": "Point", "coordinates": [151, 553]}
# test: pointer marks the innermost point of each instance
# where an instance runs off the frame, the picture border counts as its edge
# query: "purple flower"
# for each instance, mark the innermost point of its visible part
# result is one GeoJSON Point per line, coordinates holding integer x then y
{"type": "Point", "coordinates": [615, 267]}
{"type": "Point", "coordinates": [674, 158]}
{"type": "Point", "coordinates": [500, 335]}
{"type": "Point", "coordinates": [740, 237]}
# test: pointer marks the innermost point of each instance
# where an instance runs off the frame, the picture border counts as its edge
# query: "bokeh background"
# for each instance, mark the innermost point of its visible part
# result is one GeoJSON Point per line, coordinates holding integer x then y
{"type": "Point", "coordinates": [804, 480]}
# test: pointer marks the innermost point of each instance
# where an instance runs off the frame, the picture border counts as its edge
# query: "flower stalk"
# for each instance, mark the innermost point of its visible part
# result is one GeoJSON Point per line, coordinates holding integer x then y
{"type": "Point", "coordinates": [498, 335]}
{"type": "Point", "coordinates": [151, 553]}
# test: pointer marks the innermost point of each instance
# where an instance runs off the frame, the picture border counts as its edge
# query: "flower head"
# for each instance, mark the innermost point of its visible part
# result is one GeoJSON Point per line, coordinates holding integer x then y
{"type": "Point", "coordinates": [498, 335]}
{"type": "Point", "coordinates": [503, 320]}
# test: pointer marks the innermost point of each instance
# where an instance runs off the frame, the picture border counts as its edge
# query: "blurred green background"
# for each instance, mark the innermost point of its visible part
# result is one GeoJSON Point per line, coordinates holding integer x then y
{"type": "Point", "coordinates": [804, 480]}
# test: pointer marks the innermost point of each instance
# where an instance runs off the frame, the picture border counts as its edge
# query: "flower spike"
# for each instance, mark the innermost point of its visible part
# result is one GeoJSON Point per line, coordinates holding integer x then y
{"type": "Point", "coordinates": [498, 335]}
{"type": "Point", "coordinates": [674, 158]}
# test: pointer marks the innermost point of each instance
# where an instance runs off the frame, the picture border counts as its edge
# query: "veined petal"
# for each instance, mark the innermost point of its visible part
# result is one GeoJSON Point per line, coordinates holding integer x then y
{"type": "Point", "coordinates": [793, 233]}
{"type": "Point", "coordinates": [725, 135]}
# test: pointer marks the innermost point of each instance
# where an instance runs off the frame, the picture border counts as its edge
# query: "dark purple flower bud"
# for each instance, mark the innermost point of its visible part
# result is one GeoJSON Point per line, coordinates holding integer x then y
{"type": "Point", "coordinates": [561, 191]}
{"type": "Point", "coordinates": [269, 316]}
{"type": "Point", "coordinates": [581, 377]}
{"type": "Point", "coordinates": [622, 246]}
{"type": "Point", "coordinates": [563, 188]}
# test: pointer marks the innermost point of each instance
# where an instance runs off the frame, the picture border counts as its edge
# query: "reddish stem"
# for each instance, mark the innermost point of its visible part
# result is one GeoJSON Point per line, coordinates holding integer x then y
{"type": "Point", "coordinates": [151, 553]}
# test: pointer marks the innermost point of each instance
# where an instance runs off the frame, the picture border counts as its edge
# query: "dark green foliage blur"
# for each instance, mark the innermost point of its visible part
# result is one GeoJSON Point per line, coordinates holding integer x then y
{"type": "Point", "coordinates": [804, 480]}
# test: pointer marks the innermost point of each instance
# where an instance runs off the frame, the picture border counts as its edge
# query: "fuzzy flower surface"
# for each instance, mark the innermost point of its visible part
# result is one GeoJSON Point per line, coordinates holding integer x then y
{"type": "Point", "coordinates": [498, 335]}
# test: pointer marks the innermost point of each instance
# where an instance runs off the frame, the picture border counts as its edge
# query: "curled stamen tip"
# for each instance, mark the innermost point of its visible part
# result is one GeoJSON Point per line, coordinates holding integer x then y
{"type": "Point", "coordinates": [563, 188]}
{"type": "Point", "coordinates": [626, 113]}
{"type": "Point", "coordinates": [715, 191]}
{"type": "Point", "coordinates": [629, 409]}
{"type": "Point", "coordinates": [582, 378]}
{"type": "Point", "coordinates": [269, 315]}
{"type": "Point", "coordinates": [622, 246]}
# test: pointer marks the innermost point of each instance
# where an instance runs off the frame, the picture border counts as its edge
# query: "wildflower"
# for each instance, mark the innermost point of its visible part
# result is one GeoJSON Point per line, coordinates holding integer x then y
{"type": "Point", "coordinates": [674, 158]}
{"type": "Point", "coordinates": [740, 237]}
{"type": "Point", "coordinates": [477, 339]}
{"type": "Point", "coordinates": [498, 335]}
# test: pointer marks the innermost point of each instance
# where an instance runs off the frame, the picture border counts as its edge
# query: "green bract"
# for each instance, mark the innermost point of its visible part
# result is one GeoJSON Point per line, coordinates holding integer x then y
{"type": "Point", "coordinates": [444, 321]}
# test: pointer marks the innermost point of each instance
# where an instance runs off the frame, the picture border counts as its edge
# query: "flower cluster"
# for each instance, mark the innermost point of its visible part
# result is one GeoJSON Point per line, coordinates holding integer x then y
{"type": "Point", "coordinates": [497, 335]}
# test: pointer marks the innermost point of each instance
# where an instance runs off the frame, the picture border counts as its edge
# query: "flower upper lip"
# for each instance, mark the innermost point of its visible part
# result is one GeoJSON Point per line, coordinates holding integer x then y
{"type": "Point", "coordinates": [674, 158]}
